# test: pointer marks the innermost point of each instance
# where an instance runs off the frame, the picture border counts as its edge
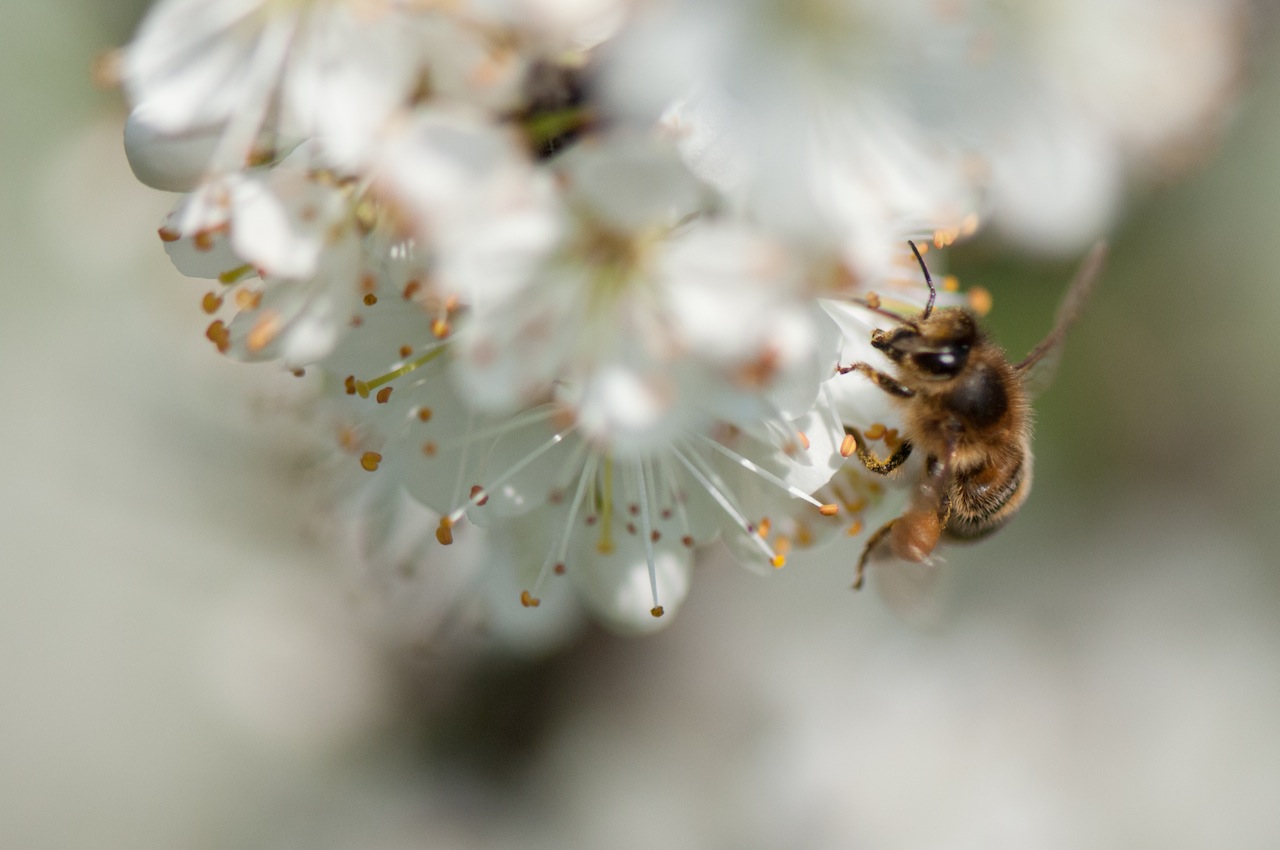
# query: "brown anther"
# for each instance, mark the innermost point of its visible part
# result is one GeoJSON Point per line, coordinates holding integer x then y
{"type": "Point", "coordinates": [210, 303]}
{"type": "Point", "coordinates": [875, 432]}
{"type": "Point", "coordinates": [558, 569]}
{"type": "Point", "coordinates": [855, 528]}
{"type": "Point", "coordinates": [167, 235]}
{"type": "Point", "coordinates": [633, 509]}
{"type": "Point", "coordinates": [348, 439]}
{"type": "Point", "coordinates": [829, 510]}
{"type": "Point", "coordinates": [370, 461]}
{"type": "Point", "coordinates": [804, 439]}
{"type": "Point", "coordinates": [298, 372]}
{"type": "Point", "coordinates": [655, 535]}
{"type": "Point", "coordinates": [666, 513]}
{"type": "Point", "coordinates": [631, 528]}
{"type": "Point", "coordinates": [264, 331]}
{"type": "Point", "coordinates": [405, 351]}
{"type": "Point", "coordinates": [383, 396]}
{"type": "Point", "coordinates": [980, 300]}
{"type": "Point", "coordinates": [478, 495]}
{"type": "Point", "coordinates": [203, 241]}
{"type": "Point", "coordinates": [440, 328]}
{"type": "Point", "coordinates": [370, 299]}
{"type": "Point", "coordinates": [847, 445]}
{"type": "Point", "coordinates": [424, 414]}
{"type": "Point", "coordinates": [411, 289]}
{"type": "Point", "coordinates": [657, 611]}
{"type": "Point", "coordinates": [873, 300]}
{"type": "Point", "coordinates": [687, 541]}
{"type": "Point", "coordinates": [590, 519]}
{"type": "Point", "coordinates": [429, 448]}
{"type": "Point", "coordinates": [349, 384]}
{"type": "Point", "coordinates": [217, 334]}
{"type": "Point", "coordinates": [528, 600]}
{"type": "Point", "coordinates": [444, 532]}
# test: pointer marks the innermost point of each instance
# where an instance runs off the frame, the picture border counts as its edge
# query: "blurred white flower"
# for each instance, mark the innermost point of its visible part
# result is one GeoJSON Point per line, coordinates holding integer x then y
{"type": "Point", "coordinates": [578, 275]}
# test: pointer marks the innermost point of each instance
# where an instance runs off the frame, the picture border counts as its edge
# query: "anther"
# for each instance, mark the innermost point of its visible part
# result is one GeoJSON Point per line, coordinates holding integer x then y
{"type": "Point", "coordinates": [951, 283]}
{"type": "Point", "coordinates": [528, 600]}
{"type": "Point", "coordinates": [210, 303]}
{"type": "Point", "coordinates": [440, 328]}
{"type": "Point", "coordinates": [405, 351]}
{"type": "Point", "coordinates": [980, 300]}
{"type": "Point", "coordinates": [829, 510]}
{"type": "Point", "coordinates": [855, 528]}
{"type": "Point", "coordinates": [847, 445]}
{"type": "Point", "coordinates": [263, 332]}
{"type": "Point", "coordinates": [429, 448]}
{"type": "Point", "coordinates": [558, 569]}
{"type": "Point", "coordinates": [167, 235]}
{"type": "Point", "coordinates": [203, 241]}
{"type": "Point", "coordinates": [804, 439]}
{"type": "Point", "coordinates": [248, 300]}
{"type": "Point", "coordinates": [218, 335]}
{"type": "Point", "coordinates": [778, 562]}
{"type": "Point", "coordinates": [763, 528]}
{"type": "Point", "coordinates": [873, 300]}
{"type": "Point", "coordinates": [478, 495]}
{"type": "Point", "coordinates": [444, 533]}
{"type": "Point", "coordinates": [687, 541]}
{"type": "Point", "coordinates": [370, 299]}
{"type": "Point", "coordinates": [424, 414]}
{"type": "Point", "coordinates": [349, 384]}
{"type": "Point", "coordinates": [383, 396]}
{"type": "Point", "coordinates": [656, 611]}
{"type": "Point", "coordinates": [411, 289]}
{"type": "Point", "coordinates": [875, 432]}
{"type": "Point", "coordinates": [370, 460]}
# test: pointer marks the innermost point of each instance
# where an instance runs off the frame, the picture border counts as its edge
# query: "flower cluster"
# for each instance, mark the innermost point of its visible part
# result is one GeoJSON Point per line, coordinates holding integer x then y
{"type": "Point", "coordinates": [578, 274]}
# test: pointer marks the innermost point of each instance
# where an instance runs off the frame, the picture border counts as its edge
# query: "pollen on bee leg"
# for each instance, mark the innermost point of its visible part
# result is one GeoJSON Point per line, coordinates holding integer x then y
{"type": "Point", "coordinates": [847, 445]}
{"type": "Point", "coordinates": [370, 461]}
{"type": "Point", "coordinates": [444, 532]}
{"type": "Point", "coordinates": [528, 600]}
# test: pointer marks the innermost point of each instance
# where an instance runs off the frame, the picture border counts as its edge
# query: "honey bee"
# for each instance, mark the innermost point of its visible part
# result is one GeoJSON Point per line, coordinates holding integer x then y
{"type": "Point", "coordinates": [967, 408]}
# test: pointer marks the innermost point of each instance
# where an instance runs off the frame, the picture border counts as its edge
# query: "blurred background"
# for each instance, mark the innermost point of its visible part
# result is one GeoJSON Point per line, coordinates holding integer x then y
{"type": "Point", "coordinates": [184, 666]}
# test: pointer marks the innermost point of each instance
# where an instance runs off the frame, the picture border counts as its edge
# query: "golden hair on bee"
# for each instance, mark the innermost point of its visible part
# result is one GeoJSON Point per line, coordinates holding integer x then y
{"type": "Point", "coordinates": [966, 408]}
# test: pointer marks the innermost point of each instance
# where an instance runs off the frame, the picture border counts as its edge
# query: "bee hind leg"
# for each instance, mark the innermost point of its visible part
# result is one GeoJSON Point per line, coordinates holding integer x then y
{"type": "Point", "coordinates": [883, 381]}
{"type": "Point", "coordinates": [873, 542]}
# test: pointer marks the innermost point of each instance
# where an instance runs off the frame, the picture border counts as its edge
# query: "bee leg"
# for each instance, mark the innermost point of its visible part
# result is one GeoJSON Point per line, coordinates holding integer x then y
{"type": "Point", "coordinates": [883, 381]}
{"type": "Point", "coordinates": [872, 542]}
{"type": "Point", "coordinates": [875, 464]}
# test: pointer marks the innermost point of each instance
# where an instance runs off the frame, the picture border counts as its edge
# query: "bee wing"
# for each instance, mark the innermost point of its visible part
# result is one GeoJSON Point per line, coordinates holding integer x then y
{"type": "Point", "coordinates": [1039, 367]}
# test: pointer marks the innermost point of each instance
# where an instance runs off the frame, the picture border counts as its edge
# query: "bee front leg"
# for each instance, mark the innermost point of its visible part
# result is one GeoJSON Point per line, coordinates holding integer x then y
{"type": "Point", "coordinates": [885, 382]}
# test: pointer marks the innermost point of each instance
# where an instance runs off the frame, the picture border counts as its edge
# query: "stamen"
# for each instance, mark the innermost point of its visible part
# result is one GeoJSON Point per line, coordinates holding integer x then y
{"type": "Point", "coordinates": [363, 387]}
{"type": "Point", "coordinates": [556, 555]}
{"type": "Point", "coordinates": [751, 466]}
{"type": "Point", "coordinates": [370, 461]}
{"type": "Point", "coordinates": [480, 494]}
{"type": "Point", "coordinates": [605, 501]}
{"type": "Point", "coordinates": [848, 445]}
{"type": "Point", "coordinates": [723, 501]}
{"type": "Point", "coordinates": [647, 528]}
{"type": "Point", "coordinates": [211, 303]}
{"type": "Point", "coordinates": [444, 532]}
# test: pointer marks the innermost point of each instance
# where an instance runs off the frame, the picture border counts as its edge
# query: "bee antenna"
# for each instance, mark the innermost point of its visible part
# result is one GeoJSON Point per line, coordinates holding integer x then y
{"type": "Point", "coordinates": [933, 293]}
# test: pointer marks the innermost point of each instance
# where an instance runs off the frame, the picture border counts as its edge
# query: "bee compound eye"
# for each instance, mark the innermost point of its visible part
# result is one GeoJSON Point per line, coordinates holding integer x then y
{"type": "Point", "coordinates": [945, 362]}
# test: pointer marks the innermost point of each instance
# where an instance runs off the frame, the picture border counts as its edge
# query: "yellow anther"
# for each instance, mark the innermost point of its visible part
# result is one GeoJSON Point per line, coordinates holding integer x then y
{"type": "Point", "coordinates": [264, 331]}
{"type": "Point", "coordinates": [370, 299]}
{"type": "Point", "coordinates": [210, 303]}
{"type": "Point", "coordinates": [980, 300]}
{"type": "Point", "coordinates": [875, 432]}
{"type": "Point", "coordinates": [829, 510]}
{"type": "Point", "coordinates": [778, 562]}
{"type": "Point", "coordinates": [763, 528]}
{"type": "Point", "coordinates": [383, 396]}
{"type": "Point", "coordinates": [847, 445]}
{"type": "Point", "coordinates": [440, 328]}
{"type": "Point", "coordinates": [444, 533]}
{"type": "Point", "coordinates": [855, 528]}
{"type": "Point", "coordinates": [528, 600]}
{"type": "Point", "coordinates": [951, 283]}
{"type": "Point", "coordinates": [656, 611]}
{"type": "Point", "coordinates": [370, 461]}
{"type": "Point", "coordinates": [803, 438]}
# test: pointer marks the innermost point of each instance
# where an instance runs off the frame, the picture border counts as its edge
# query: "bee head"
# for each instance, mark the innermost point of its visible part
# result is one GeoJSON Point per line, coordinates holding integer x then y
{"type": "Point", "coordinates": [934, 348]}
